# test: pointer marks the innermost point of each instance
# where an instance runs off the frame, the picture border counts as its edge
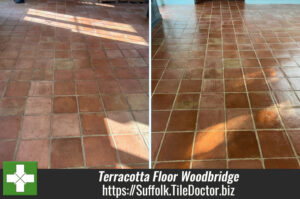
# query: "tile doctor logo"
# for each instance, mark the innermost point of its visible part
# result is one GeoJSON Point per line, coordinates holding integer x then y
{"type": "Point", "coordinates": [19, 178]}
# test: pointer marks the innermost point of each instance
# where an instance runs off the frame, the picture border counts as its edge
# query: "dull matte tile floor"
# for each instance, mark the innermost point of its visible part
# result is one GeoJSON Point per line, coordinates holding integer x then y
{"type": "Point", "coordinates": [225, 84]}
{"type": "Point", "coordinates": [71, 73]}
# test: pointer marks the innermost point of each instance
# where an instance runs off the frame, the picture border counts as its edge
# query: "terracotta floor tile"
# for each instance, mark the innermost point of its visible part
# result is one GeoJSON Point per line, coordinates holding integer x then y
{"type": "Point", "coordinates": [236, 100]}
{"type": "Point", "coordinates": [21, 75]}
{"type": "Point", "coordinates": [12, 106]}
{"type": "Point", "coordinates": [142, 121]}
{"type": "Point", "coordinates": [84, 74]}
{"type": "Point", "coordinates": [260, 100]}
{"type": "Point", "coordinates": [295, 83]}
{"type": "Point", "coordinates": [40, 88]}
{"type": "Point", "coordinates": [115, 102]}
{"type": "Point", "coordinates": [7, 150]}
{"type": "Point", "coordinates": [121, 122]}
{"type": "Point", "coordinates": [183, 121]}
{"type": "Point", "coordinates": [273, 72]}
{"type": "Point", "coordinates": [36, 127]}
{"type": "Point", "coordinates": [167, 86]}
{"type": "Point", "coordinates": [245, 164]}
{"type": "Point", "coordinates": [162, 101]}
{"type": "Point", "coordinates": [242, 144]}
{"type": "Point", "coordinates": [256, 85]}
{"type": "Point", "coordinates": [286, 99]}
{"type": "Point", "coordinates": [279, 84]}
{"type": "Point", "coordinates": [275, 144]}
{"type": "Point", "coordinates": [173, 165]}
{"type": "Point", "coordinates": [42, 75]}
{"type": "Point", "coordinates": [92, 153]}
{"type": "Point", "coordinates": [211, 120]}
{"type": "Point", "coordinates": [124, 73]}
{"type": "Point", "coordinates": [213, 73]}
{"type": "Point", "coordinates": [109, 87]}
{"type": "Point", "coordinates": [250, 62]}
{"type": "Point", "coordinates": [63, 75]}
{"type": "Point", "coordinates": [212, 100]}
{"type": "Point", "coordinates": [155, 144]}
{"type": "Point", "coordinates": [295, 138]}
{"type": "Point", "coordinates": [138, 101]}
{"type": "Point", "coordinates": [87, 87]}
{"type": "Point", "coordinates": [212, 85]}
{"type": "Point", "coordinates": [233, 73]}
{"type": "Point", "coordinates": [94, 123]}
{"type": "Point", "coordinates": [131, 86]}
{"type": "Point", "coordinates": [187, 101]}
{"type": "Point", "coordinates": [190, 86]}
{"type": "Point", "coordinates": [209, 145]}
{"type": "Point", "coordinates": [128, 154]}
{"type": "Point", "coordinates": [38, 105]}
{"type": "Point", "coordinates": [159, 119]}
{"type": "Point", "coordinates": [64, 105]}
{"type": "Point", "coordinates": [239, 119]}
{"type": "Point", "coordinates": [176, 146]}
{"type": "Point", "coordinates": [34, 150]}
{"type": "Point", "coordinates": [235, 85]}
{"type": "Point", "coordinates": [267, 118]}
{"type": "Point", "coordinates": [214, 164]}
{"type": "Point", "coordinates": [290, 117]}
{"type": "Point", "coordinates": [281, 164]}
{"type": "Point", "coordinates": [253, 73]}
{"type": "Point", "coordinates": [66, 153]}
{"type": "Point", "coordinates": [9, 127]}
{"type": "Point", "coordinates": [89, 104]}
{"type": "Point", "coordinates": [64, 88]}
{"type": "Point", "coordinates": [17, 89]}
{"type": "Point", "coordinates": [65, 125]}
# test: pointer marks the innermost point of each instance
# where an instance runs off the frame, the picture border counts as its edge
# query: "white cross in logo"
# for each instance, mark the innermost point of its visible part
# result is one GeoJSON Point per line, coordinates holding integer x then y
{"type": "Point", "coordinates": [20, 178]}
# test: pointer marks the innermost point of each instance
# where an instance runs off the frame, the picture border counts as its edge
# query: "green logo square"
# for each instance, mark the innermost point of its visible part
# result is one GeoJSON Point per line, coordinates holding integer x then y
{"type": "Point", "coordinates": [19, 178]}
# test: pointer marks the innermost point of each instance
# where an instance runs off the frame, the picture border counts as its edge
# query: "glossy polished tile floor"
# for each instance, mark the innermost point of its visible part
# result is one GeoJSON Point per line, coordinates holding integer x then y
{"type": "Point", "coordinates": [226, 86]}
{"type": "Point", "coordinates": [73, 84]}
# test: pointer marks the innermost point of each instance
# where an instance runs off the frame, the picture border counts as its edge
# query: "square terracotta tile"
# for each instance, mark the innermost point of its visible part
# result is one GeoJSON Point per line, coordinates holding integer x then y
{"type": "Point", "coordinates": [65, 125]}
{"type": "Point", "coordinates": [10, 127]}
{"type": "Point", "coordinates": [142, 121]}
{"type": "Point", "coordinates": [89, 104]}
{"type": "Point", "coordinates": [245, 164]}
{"type": "Point", "coordinates": [211, 120]}
{"type": "Point", "coordinates": [213, 85]}
{"type": "Point", "coordinates": [100, 151]}
{"type": "Point", "coordinates": [34, 150]}
{"type": "Point", "coordinates": [290, 117]}
{"type": "Point", "coordinates": [190, 86]}
{"type": "Point", "coordinates": [131, 86]}
{"type": "Point", "coordinates": [281, 164]}
{"type": "Point", "coordinates": [209, 145]}
{"type": "Point", "coordinates": [84, 74]}
{"type": "Point", "coordinates": [239, 119]}
{"type": "Point", "coordinates": [187, 101]}
{"type": "Point", "coordinates": [42, 75]}
{"type": "Point", "coordinates": [233, 73]}
{"type": "Point", "coordinates": [235, 85]}
{"type": "Point", "coordinates": [256, 85]}
{"type": "Point", "coordinates": [38, 105]}
{"type": "Point", "coordinates": [40, 88]}
{"type": "Point", "coordinates": [212, 100]}
{"type": "Point", "coordinates": [242, 144]}
{"type": "Point", "coordinates": [109, 86]}
{"type": "Point", "coordinates": [176, 146]}
{"type": "Point", "coordinates": [267, 118]}
{"type": "Point", "coordinates": [173, 165]}
{"type": "Point", "coordinates": [214, 164]}
{"type": "Point", "coordinates": [64, 105]}
{"type": "Point", "coordinates": [183, 121]}
{"type": "Point", "coordinates": [162, 101]}
{"type": "Point", "coordinates": [36, 127]}
{"type": "Point", "coordinates": [94, 123]}
{"type": "Point", "coordinates": [66, 153]}
{"type": "Point", "coordinates": [17, 89]}
{"type": "Point", "coordinates": [87, 87]}
{"type": "Point", "coordinates": [167, 86]}
{"type": "Point", "coordinates": [131, 155]}
{"type": "Point", "coordinates": [115, 102]}
{"type": "Point", "coordinates": [12, 106]}
{"type": "Point", "coordinates": [7, 150]}
{"type": "Point", "coordinates": [64, 88]}
{"type": "Point", "coordinates": [138, 101]}
{"type": "Point", "coordinates": [236, 100]}
{"type": "Point", "coordinates": [295, 138]}
{"type": "Point", "coordinates": [121, 122]}
{"type": "Point", "coordinates": [279, 84]}
{"type": "Point", "coordinates": [260, 100]}
{"type": "Point", "coordinates": [253, 73]}
{"type": "Point", "coordinates": [275, 144]}
{"type": "Point", "coordinates": [159, 120]}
